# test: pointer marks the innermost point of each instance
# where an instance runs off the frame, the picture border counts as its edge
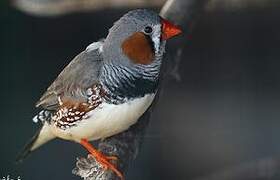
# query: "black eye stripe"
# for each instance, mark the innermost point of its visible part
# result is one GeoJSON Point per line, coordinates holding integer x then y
{"type": "Point", "coordinates": [151, 42]}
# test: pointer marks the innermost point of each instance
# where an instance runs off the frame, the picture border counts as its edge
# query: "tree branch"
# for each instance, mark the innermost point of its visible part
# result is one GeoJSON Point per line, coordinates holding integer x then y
{"type": "Point", "coordinates": [60, 7]}
{"type": "Point", "coordinates": [124, 145]}
{"type": "Point", "coordinates": [127, 144]}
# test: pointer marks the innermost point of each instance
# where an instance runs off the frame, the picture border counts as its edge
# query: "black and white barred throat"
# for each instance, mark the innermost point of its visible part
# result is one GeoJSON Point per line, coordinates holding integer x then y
{"type": "Point", "coordinates": [126, 83]}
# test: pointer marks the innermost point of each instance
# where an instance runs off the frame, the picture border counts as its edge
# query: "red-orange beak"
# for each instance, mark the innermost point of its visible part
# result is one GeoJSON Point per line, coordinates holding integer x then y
{"type": "Point", "coordinates": [169, 30]}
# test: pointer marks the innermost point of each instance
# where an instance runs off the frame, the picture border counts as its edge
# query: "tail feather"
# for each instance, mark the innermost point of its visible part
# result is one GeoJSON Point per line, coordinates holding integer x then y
{"type": "Point", "coordinates": [42, 136]}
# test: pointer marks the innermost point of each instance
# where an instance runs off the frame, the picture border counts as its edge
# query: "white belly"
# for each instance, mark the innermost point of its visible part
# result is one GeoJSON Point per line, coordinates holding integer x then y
{"type": "Point", "coordinates": [107, 120]}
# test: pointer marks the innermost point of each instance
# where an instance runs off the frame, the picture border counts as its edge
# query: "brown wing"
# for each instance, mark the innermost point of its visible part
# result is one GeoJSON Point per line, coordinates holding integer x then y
{"type": "Point", "coordinates": [70, 112]}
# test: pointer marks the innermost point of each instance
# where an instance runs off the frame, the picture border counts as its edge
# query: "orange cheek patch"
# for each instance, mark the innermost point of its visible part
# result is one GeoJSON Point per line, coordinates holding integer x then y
{"type": "Point", "coordinates": [138, 49]}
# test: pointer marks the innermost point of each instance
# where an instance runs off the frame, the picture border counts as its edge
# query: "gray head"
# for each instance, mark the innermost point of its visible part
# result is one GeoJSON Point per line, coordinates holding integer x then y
{"type": "Point", "coordinates": [136, 38]}
{"type": "Point", "coordinates": [135, 45]}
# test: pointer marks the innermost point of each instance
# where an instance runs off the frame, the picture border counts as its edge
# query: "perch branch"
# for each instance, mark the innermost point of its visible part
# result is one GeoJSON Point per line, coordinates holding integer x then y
{"type": "Point", "coordinates": [127, 144]}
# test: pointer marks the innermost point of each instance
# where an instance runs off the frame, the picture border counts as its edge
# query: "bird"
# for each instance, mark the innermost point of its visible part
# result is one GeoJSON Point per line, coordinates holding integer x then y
{"type": "Point", "coordinates": [107, 87]}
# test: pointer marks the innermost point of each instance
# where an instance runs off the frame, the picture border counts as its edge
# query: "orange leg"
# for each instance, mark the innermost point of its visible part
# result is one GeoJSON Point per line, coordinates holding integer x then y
{"type": "Point", "coordinates": [101, 158]}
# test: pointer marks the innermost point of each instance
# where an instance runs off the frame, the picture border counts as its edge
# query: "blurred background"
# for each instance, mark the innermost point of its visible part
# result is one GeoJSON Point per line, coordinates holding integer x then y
{"type": "Point", "coordinates": [223, 116]}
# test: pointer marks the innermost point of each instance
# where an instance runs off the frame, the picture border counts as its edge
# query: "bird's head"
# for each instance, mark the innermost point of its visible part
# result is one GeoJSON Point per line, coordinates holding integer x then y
{"type": "Point", "coordinates": [133, 52]}
{"type": "Point", "coordinates": [138, 38]}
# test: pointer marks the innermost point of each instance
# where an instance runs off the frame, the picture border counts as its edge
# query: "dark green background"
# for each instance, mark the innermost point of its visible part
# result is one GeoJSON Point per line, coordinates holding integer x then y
{"type": "Point", "coordinates": [224, 111]}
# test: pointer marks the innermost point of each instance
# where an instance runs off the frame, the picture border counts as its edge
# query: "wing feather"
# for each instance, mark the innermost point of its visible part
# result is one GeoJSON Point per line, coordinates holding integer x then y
{"type": "Point", "coordinates": [81, 73]}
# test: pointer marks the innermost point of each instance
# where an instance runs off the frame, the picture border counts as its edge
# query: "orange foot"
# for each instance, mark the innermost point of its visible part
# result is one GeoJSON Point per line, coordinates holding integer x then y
{"type": "Point", "coordinates": [101, 158]}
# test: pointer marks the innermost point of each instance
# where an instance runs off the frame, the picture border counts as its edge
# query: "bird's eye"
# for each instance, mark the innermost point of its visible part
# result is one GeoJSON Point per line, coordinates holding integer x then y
{"type": "Point", "coordinates": [148, 30]}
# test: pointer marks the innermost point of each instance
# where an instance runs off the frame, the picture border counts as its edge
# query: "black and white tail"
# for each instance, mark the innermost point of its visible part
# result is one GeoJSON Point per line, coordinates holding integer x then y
{"type": "Point", "coordinates": [43, 135]}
